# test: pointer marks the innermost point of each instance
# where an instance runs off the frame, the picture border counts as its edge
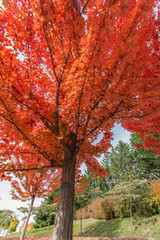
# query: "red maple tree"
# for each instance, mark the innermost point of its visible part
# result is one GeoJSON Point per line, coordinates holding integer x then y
{"type": "Point", "coordinates": [149, 131]}
{"type": "Point", "coordinates": [67, 78]}
{"type": "Point", "coordinates": [31, 185]}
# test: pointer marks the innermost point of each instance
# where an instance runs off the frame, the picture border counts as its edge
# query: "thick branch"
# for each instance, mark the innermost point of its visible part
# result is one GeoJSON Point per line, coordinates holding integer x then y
{"type": "Point", "coordinates": [50, 50]}
{"type": "Point", "coordinates": [52, 7]}
{"type": "Point", "coordinates": [57, 98]}
{"type": "Point", "coordinates": [131, 116]}
{"type": "Point", "coordinates": [31, 169]}
{"type": "Point", "coordinates": [57, 110]}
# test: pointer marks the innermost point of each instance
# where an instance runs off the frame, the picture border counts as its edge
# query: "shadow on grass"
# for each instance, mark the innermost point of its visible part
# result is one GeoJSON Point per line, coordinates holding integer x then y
{"type": "Point", "coordinates": [103, 229]}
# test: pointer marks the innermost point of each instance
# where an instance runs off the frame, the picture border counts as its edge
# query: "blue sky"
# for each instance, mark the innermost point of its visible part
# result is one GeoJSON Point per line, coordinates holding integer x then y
{"type": "Point", "coordinates": [120, 134]}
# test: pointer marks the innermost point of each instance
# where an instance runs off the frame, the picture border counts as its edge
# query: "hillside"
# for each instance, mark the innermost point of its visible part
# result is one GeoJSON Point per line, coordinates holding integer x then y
{"type": "Point", "coordinates": [116, 228]}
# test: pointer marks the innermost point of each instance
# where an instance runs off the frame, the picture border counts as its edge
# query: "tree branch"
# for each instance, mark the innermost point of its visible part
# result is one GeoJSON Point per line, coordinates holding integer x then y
{"type": "Point", "coordinates": [105, 119]}
{"type": "Point", "coordinates": [31, 169]}
{"type": "Point", "coordinates": [45, 121]}
{"type": "Point", "coordinates": [50, 50]}
{"type": "Point", "coordinates": [18, 153]}
{"type": "Point", "coordinates": [44, 154]}
{"type": "Point", "coordinates": [85, 76]}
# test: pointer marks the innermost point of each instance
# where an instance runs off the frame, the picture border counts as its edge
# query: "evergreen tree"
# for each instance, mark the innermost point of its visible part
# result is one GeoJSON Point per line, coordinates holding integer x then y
{"type": "Point", "coordinates": [120, 163]}
{"type": "Point", "coordinates": [96, 186]}
{"type": "Point", "coordinates": [146, 163]}
{"type": "Point", "coordinates": [127, 159]}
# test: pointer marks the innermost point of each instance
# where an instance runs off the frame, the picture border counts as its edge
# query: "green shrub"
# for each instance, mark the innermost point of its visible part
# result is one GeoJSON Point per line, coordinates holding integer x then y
{"type": "Point", "coordinates": [122, 208]}
{"type": "Point", "coordinates": [108, 207]}
{"type": "Point", "coordinates": [142, 207]}
{"type": "Point", "coordinates": [147, 207]}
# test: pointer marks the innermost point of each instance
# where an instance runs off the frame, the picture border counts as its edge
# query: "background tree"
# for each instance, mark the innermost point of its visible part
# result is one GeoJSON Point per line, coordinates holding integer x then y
{"type": "Point", "coordinates": [96, 186]}
{"type": "Point", "coordinates": [13, 225]}
{"type": "Point", "coordinates": [45, 215]}
{"type": "Point", "coordinates": [146, 163]}
{"type": "Point", "coordinates": [51, 197]}
{"type": "Point", "coordinates": [30, 226]}
{"type": "Point", "coordinates": [131, 191]}
{"type": "Point", "coordinates": [29, 186]}
{"type": "Point", "coordinates": [24, 211]}
{"type": "Point", "coordinates": [6, 217]}
{"type": "Point", "coordinates": [127, 159]}
{"type": "Point", "coordinates": [66, 78]}
{"type": "Point", "coordinates": [119, 163]}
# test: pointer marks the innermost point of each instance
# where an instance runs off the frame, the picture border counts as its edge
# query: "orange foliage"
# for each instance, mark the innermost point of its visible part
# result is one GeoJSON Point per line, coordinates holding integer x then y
{"type": "Point", "coordinates": [156, 189]}
{"type": "Point", "coordinates": [100, 208]}
{"type": "Point", "coordinates": [92, 210]}
{"type": "Point", "coordinates": [34, 184]}
{"type": "Point", "coordinates": [30, 226]}
{"type": "Point", "coordinates": [66, 79]}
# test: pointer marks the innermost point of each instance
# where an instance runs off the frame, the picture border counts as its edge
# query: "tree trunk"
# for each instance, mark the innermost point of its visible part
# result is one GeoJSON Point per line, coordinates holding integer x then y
{"type": "Point", "coordinates": [27, 219]}
{"type": "Point", "coordinates": [131, 215]}
{"type": "Point", "coordinates": [64, 216]}
{"type": "Point", "coordinates": [80, 222]}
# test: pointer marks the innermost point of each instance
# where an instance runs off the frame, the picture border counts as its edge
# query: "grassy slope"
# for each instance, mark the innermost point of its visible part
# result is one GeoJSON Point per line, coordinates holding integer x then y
{"type": "Point", "coordinates": [145, 228]}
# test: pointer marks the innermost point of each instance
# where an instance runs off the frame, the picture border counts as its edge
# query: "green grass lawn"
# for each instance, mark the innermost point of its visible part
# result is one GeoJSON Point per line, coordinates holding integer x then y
{"type": "Point", "coordinates": [144, 228]}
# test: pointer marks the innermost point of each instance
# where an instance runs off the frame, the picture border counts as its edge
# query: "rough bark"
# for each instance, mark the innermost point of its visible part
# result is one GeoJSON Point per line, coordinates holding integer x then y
{"type": "Point", "coordinates": [27, 219]}
{"type": "Point", "coordinates": [64, 216]}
